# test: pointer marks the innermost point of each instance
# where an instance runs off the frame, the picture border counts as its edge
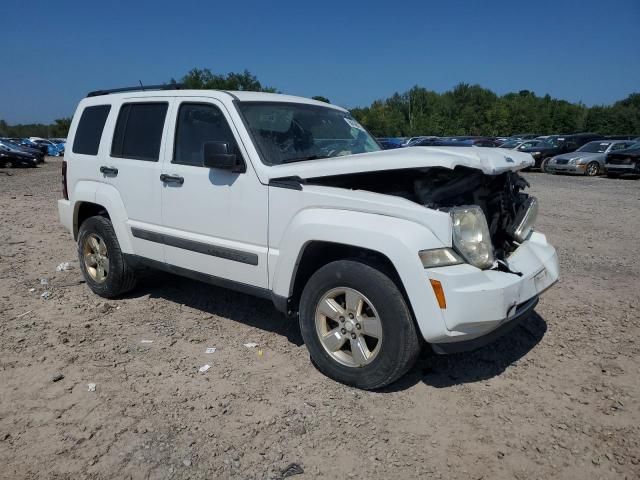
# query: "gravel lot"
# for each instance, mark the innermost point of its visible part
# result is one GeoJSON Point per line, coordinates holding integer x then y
{"type": "Point", "coordinates": [559, 397]}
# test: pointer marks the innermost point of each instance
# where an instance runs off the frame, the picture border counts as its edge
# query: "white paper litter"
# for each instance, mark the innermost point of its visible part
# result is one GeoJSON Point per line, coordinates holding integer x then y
{"type": "Point", "coordinates": [63, 267]}
{"type": "Point", "coordinates": [251, 345]}
{"type": "Point", "coordinates": [44, 281]}
{"type": "Point", "coordinates": [92, 387]}
{"type": "Point", "coordinates": [45, 295]}
{"type": "Point", "coordinates": [32, 290]}
{"type": "Point", "coordinates": [146, 341]}
{"type": "Point", "coordinates": [210, 350]}
{"type": "Point", "coordinates": [204, 368]}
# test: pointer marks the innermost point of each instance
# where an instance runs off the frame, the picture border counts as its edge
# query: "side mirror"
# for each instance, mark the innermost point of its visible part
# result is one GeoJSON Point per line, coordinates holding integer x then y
{"type": "Point", "coordinates": [219, 155]}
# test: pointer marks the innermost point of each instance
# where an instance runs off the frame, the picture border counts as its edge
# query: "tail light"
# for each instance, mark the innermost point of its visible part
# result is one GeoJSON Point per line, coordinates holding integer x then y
{"type": "Point", "coordinates": [65, 192]}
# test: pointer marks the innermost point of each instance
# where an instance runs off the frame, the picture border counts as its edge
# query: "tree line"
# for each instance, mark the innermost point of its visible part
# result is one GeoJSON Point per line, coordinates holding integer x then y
{"type": "Point", "coordinates": [464, 110]}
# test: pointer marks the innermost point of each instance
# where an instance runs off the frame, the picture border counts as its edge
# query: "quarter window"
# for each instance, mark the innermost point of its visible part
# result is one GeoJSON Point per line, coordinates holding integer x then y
{"type": "Point", "coordinates": [89, 131]}
{"type": "Point", "coordinates": [197, 124]}
{"type": "Point", "coordinates": [138, 132]}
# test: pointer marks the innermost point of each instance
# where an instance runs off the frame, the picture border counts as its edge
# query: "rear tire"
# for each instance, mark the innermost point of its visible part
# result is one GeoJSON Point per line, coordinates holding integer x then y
{"type": "Point", "coordinates": [543, 165]}
{"type": "Point", "coordinates": [102, 263]}
{"type": "Point", "coordinates": [367, 346]}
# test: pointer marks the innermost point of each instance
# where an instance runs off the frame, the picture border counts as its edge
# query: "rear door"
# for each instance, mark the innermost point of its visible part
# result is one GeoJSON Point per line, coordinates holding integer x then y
{"type": "Point", "coordinates": [215, 221]}
{"type": "Point", "coordinates": [133, 168]}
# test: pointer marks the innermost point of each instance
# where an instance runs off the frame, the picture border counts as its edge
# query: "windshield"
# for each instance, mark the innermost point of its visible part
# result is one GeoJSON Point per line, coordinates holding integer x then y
{"type": "Point", "coordinates": [510, 144]}
{"type": "Point", "coordinates": [595, 147]}
{"type": "Point", "coordinates": [294, 132]}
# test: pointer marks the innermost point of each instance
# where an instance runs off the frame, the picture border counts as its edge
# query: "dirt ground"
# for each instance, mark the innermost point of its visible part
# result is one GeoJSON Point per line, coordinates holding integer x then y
{"type": "Point", "coordinates": [557, 398]}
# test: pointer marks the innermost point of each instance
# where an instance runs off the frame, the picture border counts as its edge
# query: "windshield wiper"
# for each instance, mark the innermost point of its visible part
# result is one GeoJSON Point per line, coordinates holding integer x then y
{"type": "Point", "coordinates": [302, 159]}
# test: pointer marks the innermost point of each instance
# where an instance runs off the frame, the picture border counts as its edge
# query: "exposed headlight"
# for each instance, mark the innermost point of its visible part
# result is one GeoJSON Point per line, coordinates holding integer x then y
{"type": "Point", "coordinates": [535, 154]}
{"type": "Point", "coordinates": [439, 257]}
{"type": "Point", "coordinates": [525, 220]}
{"type": "Point", "coordinates": [471, 235]}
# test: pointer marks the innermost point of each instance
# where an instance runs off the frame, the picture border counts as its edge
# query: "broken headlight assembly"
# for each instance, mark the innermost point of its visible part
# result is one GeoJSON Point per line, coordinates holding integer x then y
{"type": "Point", "coordinates": [525, 219]}
{"type": "Point", "coordinates": [471, 236]}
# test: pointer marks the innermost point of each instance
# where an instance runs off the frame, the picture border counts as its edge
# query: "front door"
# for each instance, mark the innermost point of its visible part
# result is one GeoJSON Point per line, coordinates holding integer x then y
{"type": "Point", "coordinates": [215, 221]}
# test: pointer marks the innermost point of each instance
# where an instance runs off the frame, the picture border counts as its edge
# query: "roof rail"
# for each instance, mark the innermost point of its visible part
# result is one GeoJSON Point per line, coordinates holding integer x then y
{"type": "Point", "coordinates": [170, 86]}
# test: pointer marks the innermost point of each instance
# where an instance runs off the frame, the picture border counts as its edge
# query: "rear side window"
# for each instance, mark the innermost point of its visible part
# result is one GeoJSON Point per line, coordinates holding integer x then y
{"type": "Point", "coordinates": [138, 132]}
{"type": "Point", "coordinates": [89, 131]}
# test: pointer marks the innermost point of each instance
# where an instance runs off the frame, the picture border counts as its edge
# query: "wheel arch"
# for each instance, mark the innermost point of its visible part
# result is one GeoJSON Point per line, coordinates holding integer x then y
{"type": "Point", "coordinates": [317, 253]}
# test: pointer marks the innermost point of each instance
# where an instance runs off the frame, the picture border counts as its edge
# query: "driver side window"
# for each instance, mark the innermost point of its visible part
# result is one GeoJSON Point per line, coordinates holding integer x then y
{"type": "Point", "coordinates": [197, 124]}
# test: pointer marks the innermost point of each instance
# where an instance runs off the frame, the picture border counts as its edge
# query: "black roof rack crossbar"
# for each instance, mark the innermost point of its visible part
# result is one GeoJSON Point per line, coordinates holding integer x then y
{"type": "Point", "coordinates": [170, 86]}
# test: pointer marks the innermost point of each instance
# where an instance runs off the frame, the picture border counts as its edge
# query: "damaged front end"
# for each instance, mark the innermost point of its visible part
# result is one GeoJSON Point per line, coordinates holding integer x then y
{"type": "Point", "coordinates": [463, 192]}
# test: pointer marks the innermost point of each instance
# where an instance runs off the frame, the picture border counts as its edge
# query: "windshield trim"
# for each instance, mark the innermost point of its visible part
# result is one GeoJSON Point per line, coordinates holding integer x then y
{"type": "Point", "coordinates": [256, 144]}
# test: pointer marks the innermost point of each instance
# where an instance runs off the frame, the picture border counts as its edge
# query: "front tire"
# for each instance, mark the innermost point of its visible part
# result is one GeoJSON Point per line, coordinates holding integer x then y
{"type": "Point", "coordinates": [592, 170]}
{"type": "Point", "coordinates": [357, 325]}
{"type": "Point", "coordinates": [101, 260]}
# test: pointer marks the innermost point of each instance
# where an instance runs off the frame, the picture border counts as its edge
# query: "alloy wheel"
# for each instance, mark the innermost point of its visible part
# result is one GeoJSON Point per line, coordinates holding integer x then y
{"type": "Point", "coordinates": [96, 257]}
{"type": "Point", "coordinates": [348, 326]}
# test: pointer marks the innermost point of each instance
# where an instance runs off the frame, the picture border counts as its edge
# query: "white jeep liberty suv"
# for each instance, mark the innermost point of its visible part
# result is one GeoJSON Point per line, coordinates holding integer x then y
{"type": "Point", "coordinates": [292, 199]}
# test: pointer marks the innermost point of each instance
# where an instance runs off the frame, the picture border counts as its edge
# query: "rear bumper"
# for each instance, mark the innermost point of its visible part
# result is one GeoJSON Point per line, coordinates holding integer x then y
{"type": "Point", "coordinates": [523, 312]}
{"type": "Point", "coordinates": [65, 214]}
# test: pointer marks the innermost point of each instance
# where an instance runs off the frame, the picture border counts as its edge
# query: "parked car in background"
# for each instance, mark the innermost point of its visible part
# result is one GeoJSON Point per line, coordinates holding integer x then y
{"type": "Point", "coordinates": [558, 144]}
{"type": "Point", "coordinates": [53, 150]}
{"type": "Point", "coordinates": [15, 158]}
{"type": "Point", "coordinates": [12, 145]}
{"type": "Point", "coordinates": [482, 142]}
{"type": "Point", "coordinates": [520, 145]}
{"type": "Point", "coordinates": [25, 142]}
{"type": "Point", "coordinates": [389, 143]}
{"type": "Point", "coordinates": [624, 162]}
{"type": "Point", "coordinates": [588, 160]}
{"type": "Point", "coordinates": [438, 142]}
{"type": "Point", "coordinates": [523, 136]}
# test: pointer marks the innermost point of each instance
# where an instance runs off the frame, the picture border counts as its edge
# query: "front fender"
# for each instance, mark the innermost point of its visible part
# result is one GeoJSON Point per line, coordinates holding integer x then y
{"type": "Point", "coordinates": [398, 239]}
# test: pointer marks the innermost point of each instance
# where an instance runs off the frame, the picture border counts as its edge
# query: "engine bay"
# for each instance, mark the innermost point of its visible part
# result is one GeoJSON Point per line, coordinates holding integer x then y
{"type": "Point", "coordinates": [499, 196]}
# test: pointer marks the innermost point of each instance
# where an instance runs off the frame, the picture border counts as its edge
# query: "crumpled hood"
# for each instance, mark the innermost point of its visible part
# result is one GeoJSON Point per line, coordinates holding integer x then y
{"type": "Point", "coordinates": [491, 161]}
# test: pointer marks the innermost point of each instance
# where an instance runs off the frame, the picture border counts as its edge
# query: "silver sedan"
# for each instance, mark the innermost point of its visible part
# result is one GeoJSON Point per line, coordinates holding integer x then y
{"type": "Point", "coordinates": [587, 160]}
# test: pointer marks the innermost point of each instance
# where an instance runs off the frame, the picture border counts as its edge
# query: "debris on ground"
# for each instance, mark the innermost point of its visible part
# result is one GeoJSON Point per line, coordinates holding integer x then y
{"type": "Point", "coordinates": [23, 314]}
{"type": "Point", "coordinates": [45, 295]}
{"type": "Point", "coordinates": [56, 377]}
{"type": "Point", "coordinates": [251, 345]}
{"type": "Point", "coordinates": [64, 266]}
{"type": "Point", "coordinates": [146, 341]}
{"type": "Point", "coordinates": [44, 281]}
{"type": "Point", "coordinates": [291, 470]}
{"type": "Point", "coordinates": [92, 387]}
{"type": "Point", "coordinates": [204, 368]}
{"type": "Point", "coordinates": [210, 350]}
{"type": "Point", "coordinates": [32, 290]}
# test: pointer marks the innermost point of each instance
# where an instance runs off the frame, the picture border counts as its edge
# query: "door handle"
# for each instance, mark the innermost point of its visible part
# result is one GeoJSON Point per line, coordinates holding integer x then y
{"type": "Point", "coordinates": [109, 170]}
{"type": "Point", "coordinates": [164, 178]}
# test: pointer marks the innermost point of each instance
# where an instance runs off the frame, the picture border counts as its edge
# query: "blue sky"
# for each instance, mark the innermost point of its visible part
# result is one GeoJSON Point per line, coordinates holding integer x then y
{"type": "Point", "coordinates": [351, 52]}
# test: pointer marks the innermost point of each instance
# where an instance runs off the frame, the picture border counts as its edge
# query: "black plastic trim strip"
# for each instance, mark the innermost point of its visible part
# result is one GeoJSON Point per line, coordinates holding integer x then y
{"type": "Point", "coordinates": [293, 183]}
{"type": "Point", "coordinates": [137, 261]}
{"type": "Point", "coordinates": [199, 247]}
